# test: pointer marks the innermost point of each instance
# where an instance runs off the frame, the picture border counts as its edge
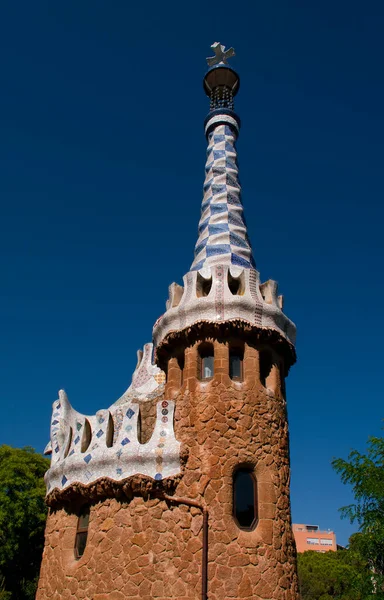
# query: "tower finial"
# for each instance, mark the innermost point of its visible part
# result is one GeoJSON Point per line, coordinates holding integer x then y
{"type": "Point", "coordinates": [221, 55]}
{"type": "Point", "coordinates": [221, 82]}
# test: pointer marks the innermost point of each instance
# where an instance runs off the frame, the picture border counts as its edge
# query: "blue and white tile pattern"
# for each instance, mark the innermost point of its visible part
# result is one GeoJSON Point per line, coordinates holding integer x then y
{"type": "Point", "coordinates": [223, 235]}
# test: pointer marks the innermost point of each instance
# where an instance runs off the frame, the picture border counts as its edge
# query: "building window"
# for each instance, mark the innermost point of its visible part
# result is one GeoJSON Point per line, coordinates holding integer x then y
{"type": "Point", "coordinates": [206, 366]}
{"type": "Point", "coordinates": [181, 364]}
{"type": "Point", "coordinates": [312, 541]}
{"type": "Point", "coordinates": [265, 362]}
{"type": "Point", "coordinates": [326, 542]}
{"type": "Point", "coordinates": [82, 532]}
{"type": "Point", "coordinates": [236, 357]}
{"type": "Point", "coordinates": [245, 499]}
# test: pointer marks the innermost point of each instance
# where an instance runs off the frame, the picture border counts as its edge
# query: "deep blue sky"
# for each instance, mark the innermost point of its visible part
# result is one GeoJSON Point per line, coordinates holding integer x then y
{"type": "Point", "coordinates": [102, 157]}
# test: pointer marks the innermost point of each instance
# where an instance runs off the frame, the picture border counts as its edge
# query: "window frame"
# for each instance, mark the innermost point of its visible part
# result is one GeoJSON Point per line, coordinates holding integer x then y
{"type": "Point", "coordinates": [237, 352]}
{"type": "Point", "coordinates": [250, 471]}
{"type": "Point", "coordinates": [85, 512]}
{"type": "Point", "coordinates": [205, 350]}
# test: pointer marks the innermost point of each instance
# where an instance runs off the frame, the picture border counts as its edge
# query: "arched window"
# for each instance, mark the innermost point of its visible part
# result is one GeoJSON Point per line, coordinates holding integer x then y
{"type": "Point", "coordinates": [203, 286]}
{"type": "Point", "coordinates": [236, 358]}
{"type": "Point", "coordinates": [87, 436]}
{"type": "Point", "coordinates": [82, 532]}
{"type": "Point", "coordinates": [245, 499]}
{"type": "Point", "coordinates": [206, 361]}
{"type": "Point", "coordinates": [236, 284]}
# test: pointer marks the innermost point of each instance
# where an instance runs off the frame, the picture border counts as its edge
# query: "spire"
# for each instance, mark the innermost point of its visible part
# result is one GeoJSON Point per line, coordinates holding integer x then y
{"type": "Point", "coordinates": [222, 290]}
{"type": "Point", "coordinates": [223, 237]}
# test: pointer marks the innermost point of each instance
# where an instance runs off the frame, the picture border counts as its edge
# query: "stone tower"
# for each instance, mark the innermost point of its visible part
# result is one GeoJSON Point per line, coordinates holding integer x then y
{"type": "Point", "coordinates": [181, 488]}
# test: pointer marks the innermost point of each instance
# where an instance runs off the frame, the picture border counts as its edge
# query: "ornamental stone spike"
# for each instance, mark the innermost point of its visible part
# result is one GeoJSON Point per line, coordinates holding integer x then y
{"type": "Point", "coordinates": [221, 55]}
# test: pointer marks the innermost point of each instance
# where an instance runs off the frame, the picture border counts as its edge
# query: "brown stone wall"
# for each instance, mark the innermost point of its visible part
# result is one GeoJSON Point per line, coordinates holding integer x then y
{"type": "Point", "coordinates": [150, 549]}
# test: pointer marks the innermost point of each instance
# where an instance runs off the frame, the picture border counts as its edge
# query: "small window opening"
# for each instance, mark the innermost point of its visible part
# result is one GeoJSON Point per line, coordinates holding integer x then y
{"type": "Point", "coordinates": [245, 499]}
{"type": "Point", "coordinates": [236, 284]}
{"type": "Point", "coordinates": [110, 432]}
{"type": "Point", "coordinates": [203, 286]}
{"type": "Point", "coordinates": [206, 361]}
{"type": "Point", "coordinates": [236, 357]}
{"type": "Point", "coordinates": [87, 436]}
{"type": "Point", "coordinates": [282, 383]}
{"type": "Point", "coordinates": [265, 361]}
{"type": "Point", "coordinates": [69, 442]}
{"type": "Point", "coordinates": [180, 362]}
{"type": "Point", "coordinates": [139, 427]}
{"type": "Point", "coordinates": [82, 532]}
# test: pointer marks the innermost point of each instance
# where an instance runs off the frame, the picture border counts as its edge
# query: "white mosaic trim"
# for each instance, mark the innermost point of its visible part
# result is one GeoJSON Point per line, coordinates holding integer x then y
{"type": "Point", "coordinates": [148, 380]}
{"type": "Point", "coordinates": [219, 119]}
{"type": "Point", "coordinates": [223, 237]}
{"type": "Point", "coordinates": [257, 304]}
{"type": "Point", "coordinates": [86, 448]}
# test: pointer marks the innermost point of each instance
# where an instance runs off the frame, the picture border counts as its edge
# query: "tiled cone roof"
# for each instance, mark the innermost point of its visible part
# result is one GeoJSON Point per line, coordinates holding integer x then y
{"type": "Point", "coordinates": [223, 237]}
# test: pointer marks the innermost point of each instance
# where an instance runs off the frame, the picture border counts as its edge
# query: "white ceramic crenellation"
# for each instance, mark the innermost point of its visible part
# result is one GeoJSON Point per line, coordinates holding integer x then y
{"type": "Point", "coordinates": [85, 449]}
{"type": "Point", "coordinates": [223, 293]}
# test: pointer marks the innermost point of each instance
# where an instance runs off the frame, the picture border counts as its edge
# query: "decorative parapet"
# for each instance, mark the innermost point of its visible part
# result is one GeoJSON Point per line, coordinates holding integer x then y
{"type": "Point", "coordinates": [225, 293]}
{"type": "Point", "coordinates": [85, 449]}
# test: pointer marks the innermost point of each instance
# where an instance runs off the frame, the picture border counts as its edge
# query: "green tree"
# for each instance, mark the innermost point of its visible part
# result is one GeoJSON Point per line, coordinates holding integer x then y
{"type": "Point", "coordinates": [22, 518]}
{"type": "Point", "coordinates": [365, 473]}
{"type": "Point", "coordinates": [341, 575]}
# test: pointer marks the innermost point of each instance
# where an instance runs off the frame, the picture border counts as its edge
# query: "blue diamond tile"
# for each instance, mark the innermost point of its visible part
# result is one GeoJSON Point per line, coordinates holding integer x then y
{"type": "Point", "coordinates": [130, 413]}
{"type": "Point", "coordinates": [119, 471]}
{"type": "Point", "coordinates": [55, 422]}
{"type": "Point", "coordinates": [77, 440]}
{"type": "Point", "coordinates": [78, 426]}
{"type": "Point", "coordinates": [64, 480]}
{"type": "Point", "coordinates": [125, 441]}
{"type": "Point", "coordinates": [71, 452]}
{"type": "Point", "coordinates": [88, 458]}
{"type": "Point", "coordinates": [100, 433]}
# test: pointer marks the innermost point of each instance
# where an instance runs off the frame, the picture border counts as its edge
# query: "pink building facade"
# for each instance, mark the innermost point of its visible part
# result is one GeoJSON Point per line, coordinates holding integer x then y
{"type": "Point", "coordinates": [310, 537]}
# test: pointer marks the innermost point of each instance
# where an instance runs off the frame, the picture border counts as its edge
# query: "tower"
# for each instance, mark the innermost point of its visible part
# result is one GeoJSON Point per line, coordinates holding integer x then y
{"type": "Point", "coordinates": [181, 488]}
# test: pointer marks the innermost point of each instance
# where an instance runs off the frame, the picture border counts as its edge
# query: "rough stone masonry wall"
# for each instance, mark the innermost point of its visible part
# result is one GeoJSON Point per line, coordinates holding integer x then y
{"type": "Point", "coordinates": [150, 549]}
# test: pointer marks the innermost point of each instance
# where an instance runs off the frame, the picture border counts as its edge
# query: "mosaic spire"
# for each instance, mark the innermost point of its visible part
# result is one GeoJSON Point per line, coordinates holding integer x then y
{"type": "Point", "coordinates": [223, 237]}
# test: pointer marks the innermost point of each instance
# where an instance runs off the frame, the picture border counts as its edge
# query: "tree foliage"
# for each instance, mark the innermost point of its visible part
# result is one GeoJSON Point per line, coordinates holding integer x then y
{"type": "Point", "coordinates": [365, 473]}
{"type": "Point", "coordinates": [341, 575]}
{"type": "Point", "coordinates": [22, 518]}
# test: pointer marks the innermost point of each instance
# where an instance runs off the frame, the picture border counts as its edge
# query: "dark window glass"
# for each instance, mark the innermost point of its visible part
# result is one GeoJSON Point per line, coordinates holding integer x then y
{"type": "Point", "coordinates": [265, 360]}
{"type": "Point", "coordinates": [207, 367]}
{"type": "Point", "coordinates": [206, 361]}
{"type": "Point", "coordinates": [82, 532]}
{"type": "Point", "coordinates": [81, 542]}
{"type": "Point", "coordinates": [236, 356]}
{"type": "Point", "coordinates": [235, 367]}
{"type": "Point", "coordinates": [244, 499]}
{"type": "Point", "coordinates": [180, 362]}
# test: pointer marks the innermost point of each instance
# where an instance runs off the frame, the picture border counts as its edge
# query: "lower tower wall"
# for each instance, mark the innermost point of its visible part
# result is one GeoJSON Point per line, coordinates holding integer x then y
{"type": "Point", "coordinates": [150, 548]}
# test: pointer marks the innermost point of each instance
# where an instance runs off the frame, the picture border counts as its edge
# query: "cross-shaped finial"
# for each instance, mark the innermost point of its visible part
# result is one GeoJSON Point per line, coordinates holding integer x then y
{"type": "Point", "coordinates": [221, 55]}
